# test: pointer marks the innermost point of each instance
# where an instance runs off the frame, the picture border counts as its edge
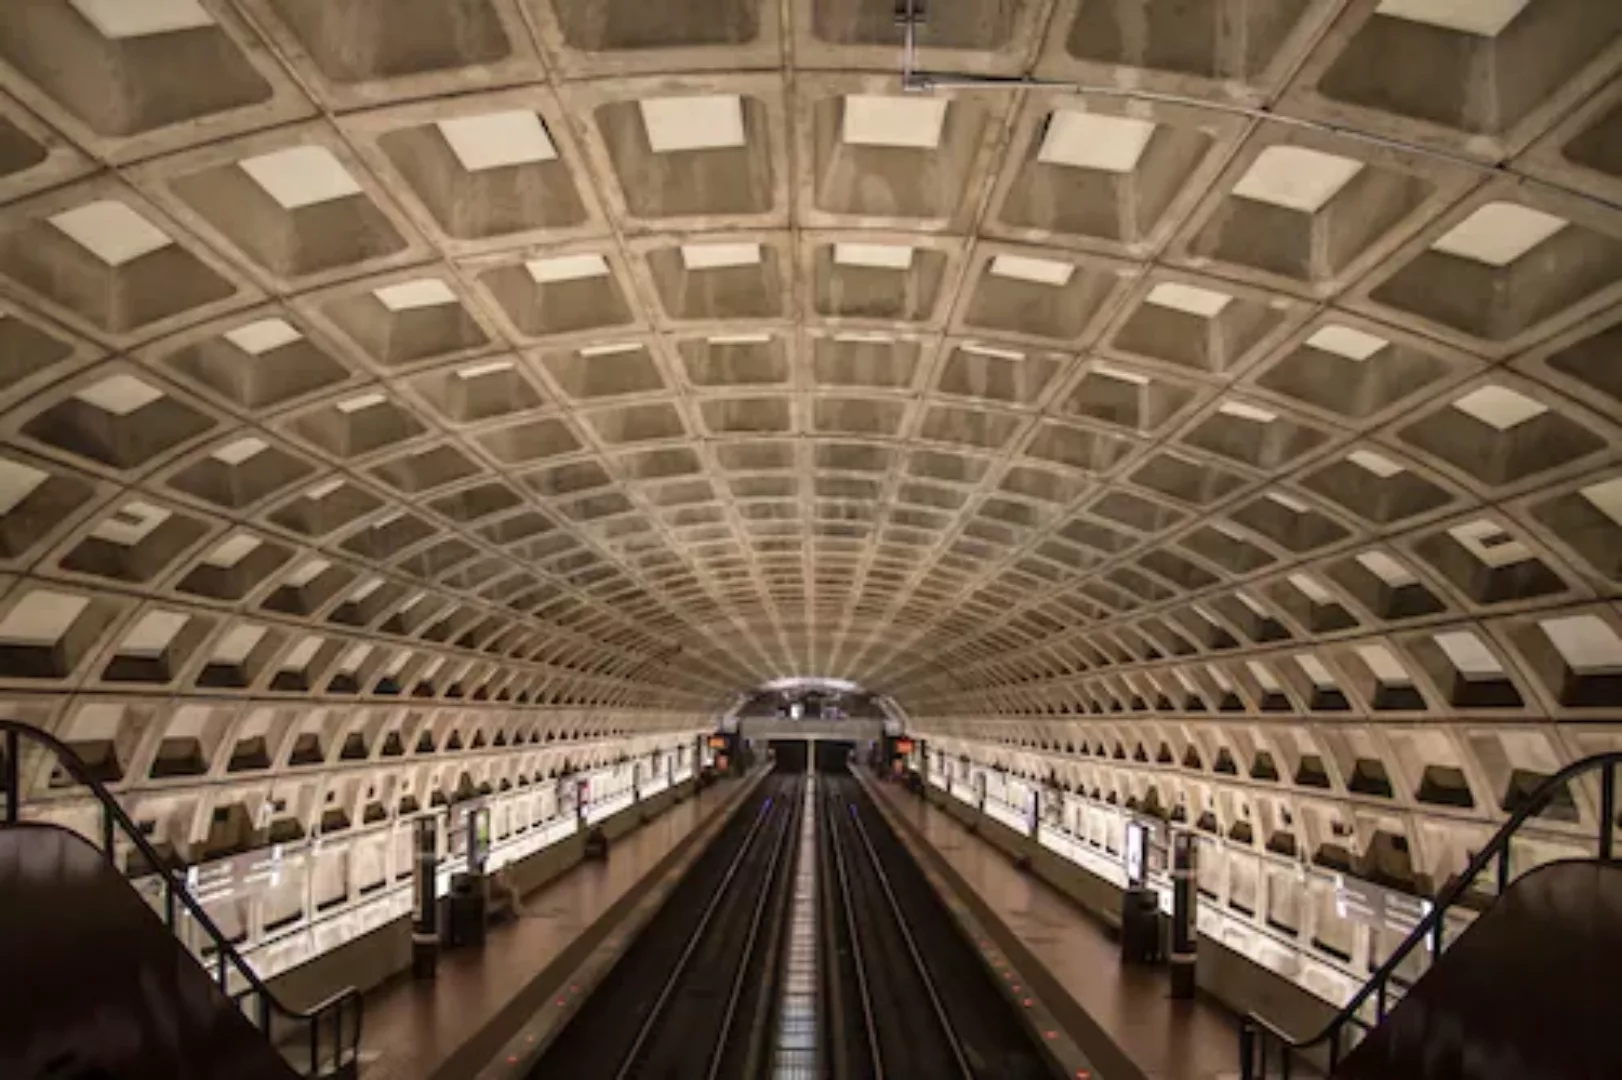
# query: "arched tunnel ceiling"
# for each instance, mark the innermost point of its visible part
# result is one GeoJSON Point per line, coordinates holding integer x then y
{"type": "Point", "coordinates": [626, 354]}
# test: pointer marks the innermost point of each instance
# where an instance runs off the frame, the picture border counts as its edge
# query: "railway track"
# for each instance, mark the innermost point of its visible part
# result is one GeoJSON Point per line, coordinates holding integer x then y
{"type": "Point", "coordinates": [907, 995]}
{"type": "Point", "coordinates": [904, 996]}
{"type": "Point", "coordinates": [692, 998]}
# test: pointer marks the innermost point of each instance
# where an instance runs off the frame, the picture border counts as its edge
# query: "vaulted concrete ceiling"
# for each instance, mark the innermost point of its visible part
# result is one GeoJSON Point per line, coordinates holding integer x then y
{"type": "Point", "coordinates": [633, 352]}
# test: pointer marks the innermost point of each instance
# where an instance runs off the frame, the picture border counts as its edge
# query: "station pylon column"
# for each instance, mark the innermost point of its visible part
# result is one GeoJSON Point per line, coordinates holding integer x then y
{"type": "Point", "coordinates": [1185, 898]}
{"type": "Point", "coordinates": [425, 920]}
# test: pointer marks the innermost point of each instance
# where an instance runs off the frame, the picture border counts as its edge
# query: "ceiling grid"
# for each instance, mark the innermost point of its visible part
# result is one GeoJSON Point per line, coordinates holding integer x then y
{"type": "Point", "coordinates": [1250, 380]}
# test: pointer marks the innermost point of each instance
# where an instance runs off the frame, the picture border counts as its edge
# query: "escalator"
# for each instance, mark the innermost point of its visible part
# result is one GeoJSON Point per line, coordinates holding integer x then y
{"type": "Point", "coordinates": [99, 984]}
{"type": "Point", "coordinates": [1522, 995]}
{"type": "Point", "coordinates": [74, 1014]}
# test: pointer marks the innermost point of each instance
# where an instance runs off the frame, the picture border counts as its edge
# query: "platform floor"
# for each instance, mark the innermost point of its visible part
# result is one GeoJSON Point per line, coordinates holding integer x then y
{"type": "Point", "coordinates": [413, 1028]}
{"type": "Point", "coordinates": [1167, 1039]}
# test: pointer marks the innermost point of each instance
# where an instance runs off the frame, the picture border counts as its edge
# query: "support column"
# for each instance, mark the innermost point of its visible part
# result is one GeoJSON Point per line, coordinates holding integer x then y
{"type": "Point", "coordinates": [476, 819]}
{"type": "Point", "coordinates": [425, 922]}
{"type": "Point", "coordinates": [1185, 884]}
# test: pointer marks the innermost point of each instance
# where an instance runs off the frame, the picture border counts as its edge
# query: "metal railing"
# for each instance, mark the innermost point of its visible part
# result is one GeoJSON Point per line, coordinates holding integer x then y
{"type": "Point", "coordinates": [326, 1036]}
{"type": "Point", "coordinates": [1259, 1038]}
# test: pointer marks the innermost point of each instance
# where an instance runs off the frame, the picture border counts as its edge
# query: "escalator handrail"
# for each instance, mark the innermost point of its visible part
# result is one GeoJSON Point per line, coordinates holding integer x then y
{"type": "Point", "coordinates": [1432, 923]}
{"type": "Point", "coordinates": [335, 1006]}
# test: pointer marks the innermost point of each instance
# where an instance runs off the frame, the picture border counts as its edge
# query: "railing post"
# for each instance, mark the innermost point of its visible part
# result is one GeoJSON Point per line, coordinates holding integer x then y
{"type": "Point", "coordinates": [13, 779]}
{"type": "Point", "coordinates": [315, 1046]}
{"type": "Point", "coordinates": [1379, 1003]}
{"type": "Point", "coordinates": [1607, 810]}
{"type": "Point", "coordinates": [108, 832]}
{"type": "Point", "coordinates": [1503, 870]}
{"type": "Point", "coordinates": [1334, 1049]}
{"type": "Point", "coordinates": [1247, 1051]}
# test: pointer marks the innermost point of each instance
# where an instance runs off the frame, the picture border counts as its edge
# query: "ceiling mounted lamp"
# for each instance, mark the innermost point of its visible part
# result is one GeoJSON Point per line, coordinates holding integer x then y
{"type": "Point", "coordinates": [811, 682]}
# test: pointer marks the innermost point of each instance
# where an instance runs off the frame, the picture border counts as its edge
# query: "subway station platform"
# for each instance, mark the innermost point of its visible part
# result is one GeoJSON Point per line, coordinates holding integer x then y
{"type": "Point", "coordinates": [447, 1027]}
{"type": "Point", "coordinates": [1200, 412]}
{"type": "Point", "coordinates": [1122, 1015]}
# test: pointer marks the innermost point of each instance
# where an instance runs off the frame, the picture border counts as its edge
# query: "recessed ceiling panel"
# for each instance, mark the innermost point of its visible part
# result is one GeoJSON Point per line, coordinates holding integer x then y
{"type": "Point", "coordinates": [1251, 387]}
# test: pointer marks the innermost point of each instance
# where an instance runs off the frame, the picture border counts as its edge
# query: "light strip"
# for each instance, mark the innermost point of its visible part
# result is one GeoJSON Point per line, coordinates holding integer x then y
{"type": "Point", "coordinates": [794, 1051]}
{"type": "Point", "coordinates": [1008, 815]}
{"type": "Point", "coordinates": [316, 933]}
{"type": "Point", "coordinates": [608, 807]}
{"type": "Point", "coordinates": [1324, 977]}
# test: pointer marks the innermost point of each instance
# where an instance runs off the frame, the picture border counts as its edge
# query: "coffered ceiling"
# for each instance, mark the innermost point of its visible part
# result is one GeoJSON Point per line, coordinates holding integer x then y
{"type": "Point", "coordinates": [621, 354]}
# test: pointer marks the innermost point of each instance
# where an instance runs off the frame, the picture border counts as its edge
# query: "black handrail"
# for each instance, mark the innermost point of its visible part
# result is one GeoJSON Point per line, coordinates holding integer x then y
{"type": "Point", "coordinates": [1256, 1032]}
{"type": "Point", "coordinates": [344, 1005]}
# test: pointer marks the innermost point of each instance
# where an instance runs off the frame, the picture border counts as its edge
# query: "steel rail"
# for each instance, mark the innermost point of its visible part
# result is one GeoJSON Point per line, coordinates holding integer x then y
{"type": "Point", "coordinates": [756, 921]}
{"type": "Point", "coordinates": [632, 1058]}
{"type": "Point", "coordinates": [937, 1006]}
{"type": "Point", "coordinates": [841, 888]}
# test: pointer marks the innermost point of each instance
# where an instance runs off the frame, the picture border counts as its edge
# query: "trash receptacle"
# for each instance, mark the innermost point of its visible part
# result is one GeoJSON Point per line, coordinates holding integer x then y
{"type": "Point", "coordinates": [467, 909]}
{"type": "Point", "coordinates": [1140, 927]}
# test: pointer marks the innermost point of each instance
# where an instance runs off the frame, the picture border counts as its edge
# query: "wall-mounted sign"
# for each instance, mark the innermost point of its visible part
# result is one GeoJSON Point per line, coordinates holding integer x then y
{"type": "Point", "coordinates": [1137, 851]}
{"type": "Point", "coordinates": [266, 870]}
{"type": "Point", "coordinates": [1374, 905]}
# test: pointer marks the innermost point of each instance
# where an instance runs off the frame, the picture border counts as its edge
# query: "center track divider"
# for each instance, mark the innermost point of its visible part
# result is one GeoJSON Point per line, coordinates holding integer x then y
{"type": "Point", "coordinates": [518, 1055]}
{"type": "Point", "coordinates": [932, 1004]}
{"type": "Point", "coordinates": [1012, 977]}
